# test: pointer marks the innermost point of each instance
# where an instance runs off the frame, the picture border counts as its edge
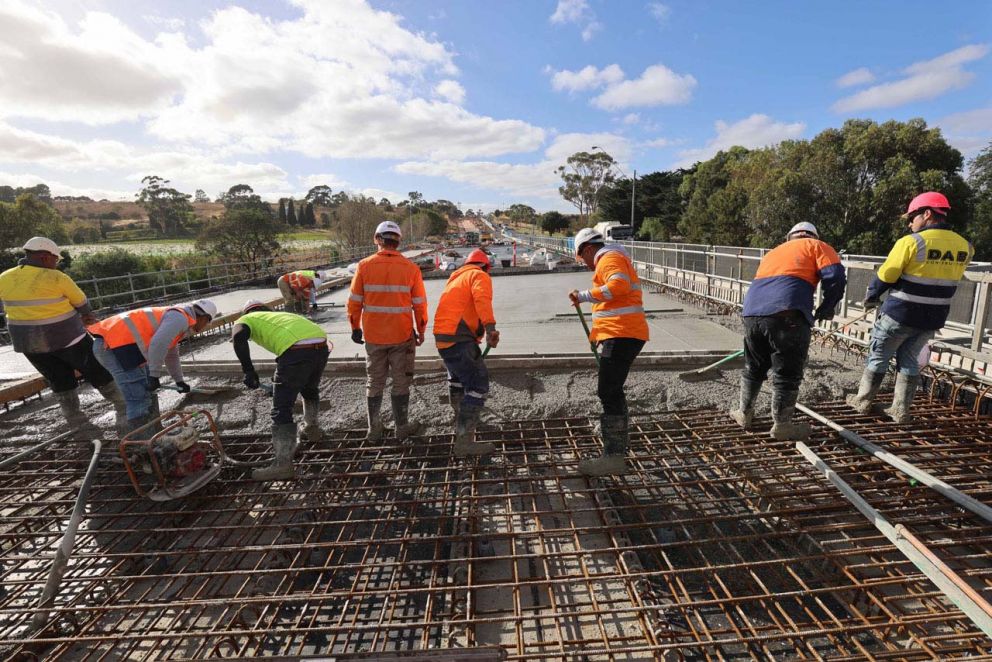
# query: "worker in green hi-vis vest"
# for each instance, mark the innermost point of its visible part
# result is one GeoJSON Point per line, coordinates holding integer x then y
{"type": "Point", "coordinates": [301, 353]}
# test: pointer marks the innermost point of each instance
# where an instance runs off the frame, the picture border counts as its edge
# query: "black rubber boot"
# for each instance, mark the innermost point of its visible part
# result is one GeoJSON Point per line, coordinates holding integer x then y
{"type": "Point", "coordinates": [871, 382]}
{"type": "Point", "coordinates": [744, 414]}
{"type": "Point", "coordinates": [902, 398]}
{"type": "Point", "coordinates": [783, 409]}
{"type": "Point", "coordinates": [401, 414]}
{"type": "Point", "coordinates": [376, 428]}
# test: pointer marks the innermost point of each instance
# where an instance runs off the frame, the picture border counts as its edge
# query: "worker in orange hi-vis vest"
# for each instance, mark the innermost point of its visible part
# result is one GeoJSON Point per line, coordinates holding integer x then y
{"type": "Point", "coordinates": [387, 309]}
{"type": "Point", "coordinates": [299, 290]}
{"type": "Point", "coordinates": [464, 316]}
{"type": "Point", "coordinates": [135, 345]}
{"type": "Point", "coordinates": [620, 329]}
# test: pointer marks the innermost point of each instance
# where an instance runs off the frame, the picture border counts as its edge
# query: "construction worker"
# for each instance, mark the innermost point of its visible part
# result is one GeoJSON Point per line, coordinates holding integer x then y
{"type": "Point", "coordinates": [301, 353]}
{"type": "Point", "coordinates": [46, 313]}
{"type": "Point", "coordinates": [298, 288]}
{"type": "Point", "coordinates": [384, 290]}
{"type": "Point", "coordinates": [135, 345]}
{"type": "Point", "coordinates": [921, 274]}
{"type": "Point", "coordinates": [463, 317]}
{"type": "Point", "coordinates": [620, 329]}
{"type": "Point", "coordinates": [778, 318]}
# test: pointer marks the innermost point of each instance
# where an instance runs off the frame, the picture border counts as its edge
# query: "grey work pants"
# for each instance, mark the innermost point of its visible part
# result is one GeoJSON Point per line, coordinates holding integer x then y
{"type": "Point", "coordinates": [384, 361]}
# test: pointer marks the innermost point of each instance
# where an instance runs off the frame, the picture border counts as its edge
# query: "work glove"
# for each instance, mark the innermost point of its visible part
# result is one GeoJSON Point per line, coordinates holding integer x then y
{"type": "Point", "coordinates": [251, 380]}
{"type": "Point", "coordinates": [313, 308]}
{"type": "Point", "coordinates": [153, 383]}
{"type": "Point", "coordinates": [823, 313]}
{"type": "Point", "coordinates": [356, 336]}
{"type": "Point", "coordinates": [183, 387]}
{"type": "Point", "coordinates": [870, 304]}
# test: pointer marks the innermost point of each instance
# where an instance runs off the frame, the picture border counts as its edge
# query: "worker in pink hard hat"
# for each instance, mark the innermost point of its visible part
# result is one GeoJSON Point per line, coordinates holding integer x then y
{"type": "Point", "coordinates": [920, 276]}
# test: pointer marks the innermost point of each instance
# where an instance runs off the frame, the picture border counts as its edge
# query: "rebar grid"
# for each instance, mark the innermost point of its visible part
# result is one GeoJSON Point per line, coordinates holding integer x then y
{"type": "Point", "coordinates": [718, 545]}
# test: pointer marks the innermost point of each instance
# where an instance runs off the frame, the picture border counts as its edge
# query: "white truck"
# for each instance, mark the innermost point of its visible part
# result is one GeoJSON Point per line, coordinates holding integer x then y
{"type": "Point", "coordinates": [613, 231]}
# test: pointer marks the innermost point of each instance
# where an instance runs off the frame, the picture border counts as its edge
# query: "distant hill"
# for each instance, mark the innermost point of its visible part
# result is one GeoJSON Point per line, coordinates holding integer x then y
{"type": "Point", "coordinates": [122, 211]}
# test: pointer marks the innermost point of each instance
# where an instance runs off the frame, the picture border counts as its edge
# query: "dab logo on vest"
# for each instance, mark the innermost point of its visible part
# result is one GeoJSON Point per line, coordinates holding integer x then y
{"type": "Point", "coordinates": [934, 255]}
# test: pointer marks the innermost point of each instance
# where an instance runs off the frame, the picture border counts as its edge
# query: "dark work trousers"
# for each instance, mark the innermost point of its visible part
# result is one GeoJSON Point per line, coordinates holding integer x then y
{"type": "Point", "coordinates": [298, 372]}
{"type": "Point", "coordinates": [779, 343]}
{"type": "Point", "coordinates": [616, 355]}
{"type": "Point", "coordinates": [466, 371]}
{"type": "Point", "coordinates": [59, 367]}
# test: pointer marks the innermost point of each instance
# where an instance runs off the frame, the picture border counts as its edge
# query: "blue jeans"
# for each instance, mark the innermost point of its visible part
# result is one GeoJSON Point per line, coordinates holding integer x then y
{"type": "Point", "coordinates": [890, 338]}
{"type": "Point", "coordinates": [466, 371]}
{"type": "Point", "coordinates": [132, 383]}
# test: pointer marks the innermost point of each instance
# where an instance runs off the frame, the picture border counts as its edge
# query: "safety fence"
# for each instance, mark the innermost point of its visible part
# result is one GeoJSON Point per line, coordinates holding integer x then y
{"type": "Point", "coordinates": [724, 273]}
{"type": "Point", "coordinates": [111, 293]}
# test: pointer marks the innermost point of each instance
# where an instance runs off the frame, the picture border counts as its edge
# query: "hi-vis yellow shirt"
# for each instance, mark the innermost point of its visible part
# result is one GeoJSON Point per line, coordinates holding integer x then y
{"type": "Point", "coordinates": [922, 273]}
{"type": "Point", "coordinates": [43, 308]}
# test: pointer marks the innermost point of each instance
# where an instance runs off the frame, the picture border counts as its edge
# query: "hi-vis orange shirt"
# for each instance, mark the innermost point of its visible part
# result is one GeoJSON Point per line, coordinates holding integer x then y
{"type": "Point", "coordinates": [788, 275]}
{"type": "Point", "coordinates": [135, 327]}
{"type": "Point", "coordinates": [618, 308]}
{"type": "Point", "coordinates": [465, 311]}
{"type": "Point", "coordinates": [386, 287]}
{"type": "Point", "coordinates": [300, 281]}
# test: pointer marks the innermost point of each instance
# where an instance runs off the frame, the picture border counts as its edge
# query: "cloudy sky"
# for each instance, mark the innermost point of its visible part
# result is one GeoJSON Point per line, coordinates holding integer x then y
{"type": "Point", "coordinates": [474, 102]}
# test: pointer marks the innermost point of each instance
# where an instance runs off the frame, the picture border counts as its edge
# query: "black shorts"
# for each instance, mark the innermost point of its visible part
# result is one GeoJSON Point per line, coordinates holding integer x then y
{"type": "Point", "coordinates": [59, 367]}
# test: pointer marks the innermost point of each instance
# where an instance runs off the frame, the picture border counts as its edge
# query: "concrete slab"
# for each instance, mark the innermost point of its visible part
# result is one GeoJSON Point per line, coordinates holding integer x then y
{"type": "Point", "coordinates": [526, 308]}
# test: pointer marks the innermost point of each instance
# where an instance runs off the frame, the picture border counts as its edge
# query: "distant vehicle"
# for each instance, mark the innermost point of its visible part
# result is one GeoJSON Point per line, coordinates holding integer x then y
{"type": "Point", "coordinates": [485, 237]}
{"type": "Point", "coordinates": [472, 238]}
{"type": "Point", "coordinates": [613, 231]}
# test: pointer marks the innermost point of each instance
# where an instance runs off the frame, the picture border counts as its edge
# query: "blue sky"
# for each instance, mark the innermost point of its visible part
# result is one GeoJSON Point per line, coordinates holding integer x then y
{"type": "Point", "coordinates": [473, 102]}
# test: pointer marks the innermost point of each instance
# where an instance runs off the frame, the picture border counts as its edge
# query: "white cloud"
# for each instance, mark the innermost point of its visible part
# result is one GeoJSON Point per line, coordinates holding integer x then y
{"type": "Point", "coordinates": [751, 132]}
{"type": "Point", "coordinates": [570, 11]}
{"type": "Point", "coordinates": [21, 179]}
{"type": "Point", "coordinates": [657, 86]}
{"type": "Point", "coordinates": [338, 81]}
{"type": "Point", "coordinates": [578, 12]}
{"type": "Point", "coordinates": [451, 90]}
{"type": "Point", "coordinates": [590, 30]}
{"type": "Point", "coordinates": [323, 179]}
{"type": "Point", "coordinates": [525, 180]}
{"type": "Point", "coordinates": [969, 131]}
{"type": "Point", "coordinates": [924, 80]}
{"type": "Point", "coordinates": [104, 72]}
{"type": "Point", "coordinates": [861, 76]}
{"type": "Point", "coordinates": [631, 118]}
{"type": "Point", "coordinates": [587, 78]}
{"type": "Point", "coordinates": [661, 143]}
{"type": "Point", "coordinates": [660, 12]}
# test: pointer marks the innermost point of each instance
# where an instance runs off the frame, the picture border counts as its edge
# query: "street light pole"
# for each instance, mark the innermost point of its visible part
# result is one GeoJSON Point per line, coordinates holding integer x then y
{"type": "Point", "coordinates": [633, 192]}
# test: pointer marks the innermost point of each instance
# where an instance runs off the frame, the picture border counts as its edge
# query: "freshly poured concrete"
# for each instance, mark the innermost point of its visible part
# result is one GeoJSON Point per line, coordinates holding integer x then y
{"type": "Point", "coordinates": [526, 309]}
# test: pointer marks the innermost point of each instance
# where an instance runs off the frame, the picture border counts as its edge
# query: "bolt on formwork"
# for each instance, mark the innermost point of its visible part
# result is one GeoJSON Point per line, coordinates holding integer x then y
{"type": "Point", "coordinates": [718, 544]}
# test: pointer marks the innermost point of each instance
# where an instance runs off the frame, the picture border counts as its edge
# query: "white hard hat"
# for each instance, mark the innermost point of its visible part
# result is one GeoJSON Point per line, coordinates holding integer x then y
{"type": "Point", "coordinates": [251, 303]}
{"type": "Point", "coordinates": [803, 227]}
{"type": "Point", "coordinates": [207, 306]}
{"type": "Point", "coordinates": [41, 244]}
{"type": "Point", "coordinates": [586, 236]}
{"type": "Point", "coordinates": [387, 227]}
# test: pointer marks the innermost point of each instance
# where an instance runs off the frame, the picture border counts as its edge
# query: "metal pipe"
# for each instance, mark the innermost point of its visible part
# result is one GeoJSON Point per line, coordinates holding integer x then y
{"type": "Point", "coordinates": [64, 551]}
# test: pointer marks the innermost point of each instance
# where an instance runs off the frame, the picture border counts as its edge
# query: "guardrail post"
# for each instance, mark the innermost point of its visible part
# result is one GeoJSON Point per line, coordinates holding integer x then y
{"type": "Point", "coordinates": [983, 294]}
{"type": "Point", "coordinates": [130, 284]}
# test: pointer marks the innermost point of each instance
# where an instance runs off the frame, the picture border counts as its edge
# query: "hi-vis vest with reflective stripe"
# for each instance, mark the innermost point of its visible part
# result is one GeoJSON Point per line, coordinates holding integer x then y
{"type": "Point", "coordinates": [301, 280]}
{"type": "Point", "coordinates": [42, 307]}
{"type": "Point", "coordinates": [277, 332]}
{"type": "Point", "coordinates": [385, 289]}
{"type": "Point", "coordinates": [136, 327]}
{"type": "Point", "coordinates": [618, 308]}
{"type": "Point", "coordinates": [924, 269]}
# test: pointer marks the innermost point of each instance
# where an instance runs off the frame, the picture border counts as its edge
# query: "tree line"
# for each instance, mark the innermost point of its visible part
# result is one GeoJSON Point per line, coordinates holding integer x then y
{"type": "Point", "coordinates": [853, 183]}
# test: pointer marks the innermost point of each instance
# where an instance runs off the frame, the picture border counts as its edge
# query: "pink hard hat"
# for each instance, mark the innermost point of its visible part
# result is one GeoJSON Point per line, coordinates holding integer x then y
{"type": "Point", "coordinates": [930, 199]}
